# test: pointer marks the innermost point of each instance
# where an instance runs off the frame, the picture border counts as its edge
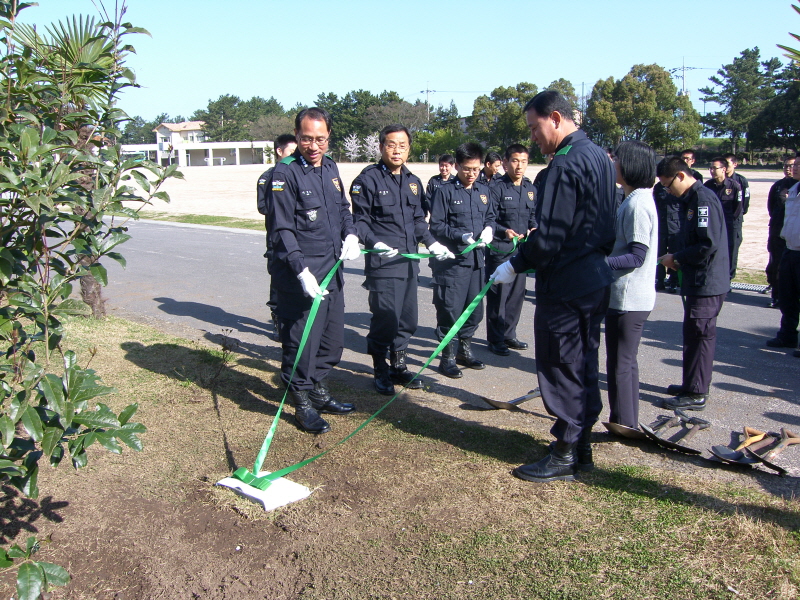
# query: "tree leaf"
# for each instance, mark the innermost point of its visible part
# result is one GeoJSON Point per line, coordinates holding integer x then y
{"type": "Point", "coordinates": [54, 574]}
{"type": "Point", "coordinates": [129, 438]}
{"type": "Point", "coordinates": [52, 436]}
{"type": "Point", "coordinates": [100, 273]}
{"type": "Point", "coordinates": [127, 413]}
{"type": "Point", "coordinates": [79, 460]}
{"type": "Point", "coordinates": [32, 424]}
{"type": "Point", "coordinates": [108, 442]}
{"type": "Point", "coordinates": [102, 417]}
{"type": "Point", "coordinates": [67, 415]}
{"type": "Point", "coordinates": [5, 562]}
{"type": "Point", "coordinates": [72, 307]}
{"type": "Point", "coordinates": [52, 388]}
{"type": "Point", "coordinates": [6, 430]}
{"type": "Point", "coordinates": [30, 581]}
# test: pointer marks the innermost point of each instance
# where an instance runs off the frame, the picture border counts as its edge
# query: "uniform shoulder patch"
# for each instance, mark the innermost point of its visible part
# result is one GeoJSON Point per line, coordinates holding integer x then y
{"type": "Point", "coordinates": [355, 188]}
{"type": "Point", "coordinates": [564, 150]}
{"type": "Point", "coordinates": [277, 185]}
{"type": "Point", "coordinates": [288, 160]}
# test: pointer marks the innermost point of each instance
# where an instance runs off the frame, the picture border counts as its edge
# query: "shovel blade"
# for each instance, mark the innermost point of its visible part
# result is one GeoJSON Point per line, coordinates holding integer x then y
{"type": "Point", "coordinates": [624, 431]}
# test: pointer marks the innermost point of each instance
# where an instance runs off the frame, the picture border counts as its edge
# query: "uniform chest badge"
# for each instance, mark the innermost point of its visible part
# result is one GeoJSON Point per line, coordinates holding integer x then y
{"type": "Point", "coordinates": [383, 192]}
{"type": "Point", "coordinates": [484, 198]}
{"type": "Point", "coordinates": [689, 214]}
{"type": "Point", "coordinates": [413, 187]}
{"type": "Point", "coordinates": [338, 185]}
{"type": "Point", "coordinates": [702, 211]}
{"type": "Point", "coordinates": [530, 196]}
{"type": "Point", "coordinates": [312, 215]}
{"type": "Point", "coordinates": [728, 191]}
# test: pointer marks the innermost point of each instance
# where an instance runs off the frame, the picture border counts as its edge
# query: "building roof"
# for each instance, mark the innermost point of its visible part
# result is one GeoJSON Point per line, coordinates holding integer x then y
{"type": "Point", "coordinates": [185, 126]}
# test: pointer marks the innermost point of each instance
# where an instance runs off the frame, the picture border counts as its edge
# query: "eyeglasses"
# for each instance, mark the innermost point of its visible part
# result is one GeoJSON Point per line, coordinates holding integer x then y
{"type": "Point", "coordinates": [671, 182]}
{"type": "Point", "coordinates": [470, 170]}
{"type": "Point", "coordinates": [395, 146]}
{"type": "Point", "coordinates": [307, 140]}
{"type": "Point", "coordinates": [712, 169]}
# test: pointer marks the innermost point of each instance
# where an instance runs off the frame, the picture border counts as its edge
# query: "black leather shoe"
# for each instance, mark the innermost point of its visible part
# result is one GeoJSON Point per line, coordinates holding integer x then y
{"type": "Point", "coordinates": [796, 353]}
{"type": "Point", "coordinates": [323, 402]}
{"type": "Point", "coordinates": [499, 348]}
{"type": "Point", "coordinates": [687, 402]}
{"type": "Point", "coordinates": [447, 364]}
{"type": "Point", "coordinates": [779, 342]}
{"type": "Point", "coordinates": [307, 417]}
{"type": "Point", "coordinates": [774, 304]}
{"type": "Point", "coordinates": [515, 344]}
{"type": "Point", "coordinates": [675, 389]}
{"type": "Point", "coordinates": [465, 357]}
{"type": "Point", "coordinates": [583, 451]}
{"type": "Point", "coordinates": [399, 373]}
{"type": "Point", "coordinates": [383, 383]}
{"type": "Point", "coordinates": [558, 465]}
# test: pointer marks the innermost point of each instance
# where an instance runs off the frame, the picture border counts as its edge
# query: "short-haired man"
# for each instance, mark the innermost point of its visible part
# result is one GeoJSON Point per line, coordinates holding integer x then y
{"type": "Point", "coordinates": [689, 158]}
{"type": "Point", "coordinates": [671, 230]}
{"type": "Point", "coordinates": [704, 262]}
{"type": "Point", "coordinates": [311, 225]}
{"type": "Point", "coordinates": [776, 207]}
{"type": "Point", "coordinates": [388, 215]}
{"type": "Point", "coordinates": [461, 215]}
{"type": "Point", "coordinates": [789, 270]}
{"type": "Point", "coordinates": [744, 185]}
{"type": "Point", "coordinates": [575, 216]}
{"type": "Point", "coordinates": [491, 168]}
{"type": "Point", "coordinates": [514, 199]}
{"type": "Point", "coordinates": [446, 164]}
{"type": "Point", "coordinates": [730, 195]}
{"type": "Point", "coordinates": [285, 144]}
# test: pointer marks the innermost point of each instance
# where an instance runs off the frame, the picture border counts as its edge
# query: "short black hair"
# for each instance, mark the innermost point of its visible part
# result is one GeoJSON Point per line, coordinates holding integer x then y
{"type": "Point", "coordinates": [448, 158]}
{"type": "Point", "coordinates": [730, 156]}
{"type": "Point", "coordinates": [689, 151]}
{"type": "Point", "coordinates": [719, 159]}
{"type": "Point", "coordinates": [549, 101]}
{"type": "Point", "coordinates": [671, 166]}
{"type": "Point", "coordinates": [516, 149]}
{"type": "Point", "coordinates": [637, 163]}
{"type": "Point", "coordinates": [284, 140]}
{"type": "Point", "coordinates": [393, 129]}
{"type": "Point", "coordinates": [314, 113]}
{"type": "Point", "coordinates": [492, 157]}
{"type": "Point", "coordinates": [469, 151]}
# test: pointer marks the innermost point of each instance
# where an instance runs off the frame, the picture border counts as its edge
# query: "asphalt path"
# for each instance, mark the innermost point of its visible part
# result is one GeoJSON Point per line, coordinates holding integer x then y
{"type": "Point", "coordinates": [201, 282]}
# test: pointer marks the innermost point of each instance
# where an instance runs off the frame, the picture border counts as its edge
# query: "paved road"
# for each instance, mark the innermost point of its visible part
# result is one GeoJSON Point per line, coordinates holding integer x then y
{"type": "Point", "coordinates": [196, 281]}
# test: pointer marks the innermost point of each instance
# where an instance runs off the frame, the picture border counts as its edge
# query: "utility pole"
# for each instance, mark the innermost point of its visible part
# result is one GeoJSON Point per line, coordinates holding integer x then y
{"type": "Point", "coordinates": [427, 91]}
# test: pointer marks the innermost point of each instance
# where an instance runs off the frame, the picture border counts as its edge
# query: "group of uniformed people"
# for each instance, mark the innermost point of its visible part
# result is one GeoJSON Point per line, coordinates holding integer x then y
{"type": "Point", "coordinates": [481, 226]}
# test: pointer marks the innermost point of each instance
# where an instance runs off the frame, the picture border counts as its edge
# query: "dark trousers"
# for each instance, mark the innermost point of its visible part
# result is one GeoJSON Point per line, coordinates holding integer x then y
{"type": "Point", "coordinates": [503, 303]}
{"type": "Point", "coordinates": [789, 298]}
{"type": "Point", "coordinates": [453, 290]}
{"type": "Point", "coordinates": [323, 349]}
{"type": "Point", "coordinates": [734, 229]}
{"type": "Point", "coordinates": [393, 304]}
{"type": "Point", "coordinates": [700, 341]}
{"type": "Point", "coordinates": [567, 338]}
{"type": "Point", "coordinates": [623, 333]}
{"type": "Point", "coordinates": [776, 247]}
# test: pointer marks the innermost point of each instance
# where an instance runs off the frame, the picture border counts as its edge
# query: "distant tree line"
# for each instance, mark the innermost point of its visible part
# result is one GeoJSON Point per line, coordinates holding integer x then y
{"type": "Point", "coordinates": [757, 112]}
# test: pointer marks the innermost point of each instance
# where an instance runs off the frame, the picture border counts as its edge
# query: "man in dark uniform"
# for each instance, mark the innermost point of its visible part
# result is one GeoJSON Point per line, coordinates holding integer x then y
{"type": "Point", "coordinates": [575, 212]}
{"type": "Point", "coordinates": [446, 164]}
{"type": "Point", "coordinates": [461, 214]}
{"type": "Point", "coordinates": [285, 145]}
{"type": "Point", "coordinates": [491, 168]}
{"type": "Point", "coordinates": [744, 186]}
{"type": "Point", "coordinates": [730, 196]}
{"type": "Point", "coordinates": [689, 158]}
{"type": "Point", "coordinates": [671, 227]}
{"type": "Point", "coordinates": [513, 197]}
{"type": "Point", "coordinates": [704, 262]}
{"type": "Point", "coordinates": [310, 223]}
{"type": "Point", "coordinates": [388, 215]}
{"type": "Point", "coordinates": [776, 207]}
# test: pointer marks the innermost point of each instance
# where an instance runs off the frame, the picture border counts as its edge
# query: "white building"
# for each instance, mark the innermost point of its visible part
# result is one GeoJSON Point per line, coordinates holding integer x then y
{"type": "Point", "coordinates": [184, 144]}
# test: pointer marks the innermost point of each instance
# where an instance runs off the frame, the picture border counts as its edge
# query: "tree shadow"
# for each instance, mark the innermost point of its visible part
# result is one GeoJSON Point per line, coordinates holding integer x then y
{"type": "Point", "coordinates": [18, 513]}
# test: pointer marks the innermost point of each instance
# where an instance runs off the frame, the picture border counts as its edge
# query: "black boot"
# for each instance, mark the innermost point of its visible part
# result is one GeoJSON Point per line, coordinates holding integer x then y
{"type": "Point", "coordinates": [583, 451]}
{"type": "Point", "coordinates": [399, 373]}
{"type": "Point", "coordinates": [465, 357]}
{"type": "Point", "coordinates": [322, 400]}
{"type": "Point", "coordinates": [559, 464]}
{"type": "Point", "coordinates": [383, 384]}
{"type": "Point", "coordinates": [308, 418]}
{"type": "Point", "coordinates": [447, 363]}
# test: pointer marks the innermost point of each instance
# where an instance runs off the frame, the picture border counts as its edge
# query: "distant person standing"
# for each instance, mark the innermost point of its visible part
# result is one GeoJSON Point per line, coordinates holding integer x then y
{"type": "Point", "coordinates": [491, 168]}
{"type": "Point", "coordinates": [633, 264]}
{"type": "Point", "coordinates": [706, 280]}
{"type": "Point", "coordinates": [689, 158]}
{"type": "Point", "coordinates": [730, 195]}
{"type": "Point", "coordinates": [776, 201]}
{"type": "Point", "coordinates": [285, 145]}
{"type": "Point", "coordinates": [446, 164]}
{"type": "Point", "coordinates": [388, 215]}
{"type": "Point", "coordinates": [744, 185]}
{"type": "Point", "coordinates": [514, 199]}
{"type": "Point", "coordinates": [575, 216]}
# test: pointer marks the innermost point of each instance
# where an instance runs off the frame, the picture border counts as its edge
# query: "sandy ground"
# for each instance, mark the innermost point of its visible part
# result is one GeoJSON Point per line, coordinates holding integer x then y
{"type": "Point", "coordinates": [231, 192]}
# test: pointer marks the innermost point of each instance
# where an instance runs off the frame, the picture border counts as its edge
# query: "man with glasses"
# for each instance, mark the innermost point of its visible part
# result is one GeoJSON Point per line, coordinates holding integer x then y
{"type": "Point", "coordinates": [704, 263]}
{"type": "Point", "coordinates": [461, 214]}
{"type": "Point", "coordinates": [730, 195]}
{"type": "Point", "coordinates": [689, 159]}
{"type": "Point", "coordinates": [671, 228]}
{"type": "Point", "coordinates": [311, 226]}
{"type": "Point", "coordinates": [776, 207]}
{"type": "Point", "coordinates": [387, 209]}
{"type": "Point", "coordinates": [732, 162]}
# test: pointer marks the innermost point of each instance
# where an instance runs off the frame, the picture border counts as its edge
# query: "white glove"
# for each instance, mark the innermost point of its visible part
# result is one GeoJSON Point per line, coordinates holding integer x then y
{"type": "Point", "coordinates": [486, 235]}
{"type": "Point", "coordinates": [390, 252]}
{"type": "Point", "coordinates": [505, 273]}
{"type": "Point", "coordinates": [467, 239]}
{"type": "Point", "coordinates": [310, 286]}
{"type": "Point", "coordinates": [441, 251]}
{"type": "Point", "coordinates": [350, 249]}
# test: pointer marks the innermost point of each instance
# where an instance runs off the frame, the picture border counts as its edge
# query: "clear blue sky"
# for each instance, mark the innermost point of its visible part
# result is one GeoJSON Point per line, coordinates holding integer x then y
{"type": "Point", "coordinates": [202, 49]}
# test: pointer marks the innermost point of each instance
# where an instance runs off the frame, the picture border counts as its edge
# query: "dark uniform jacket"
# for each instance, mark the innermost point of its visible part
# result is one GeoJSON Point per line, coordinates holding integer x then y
{"type": "Point", "coordinates": [457, 211]}
{"type": "Point", "coordinates": [704, 259]}
{"type": "Point", "coordinates": [388, 208]}
{"type": "Point", "coordinates": [575, 212]}
{"type": "Point", "coordinates": [514, 207]}
{"type": "Point", "coordinates": [776, 207]}
{"type": "Point", "coordinates": [730, 195]}
{"type": "Point", "coordinates": [308, 217]}
{"type": "Point", "coordinates": [261, 190]}
{"type": "Point", "coordinates": [745, 187]}
{"type": "Point", "coordinates": [697, 175]}
{"type": "Point", "coordinates": [433, 184]}
{"type": "Point", "coordinates": [671, 211]}
{"type": "Point", "coordinates": [485, 180]}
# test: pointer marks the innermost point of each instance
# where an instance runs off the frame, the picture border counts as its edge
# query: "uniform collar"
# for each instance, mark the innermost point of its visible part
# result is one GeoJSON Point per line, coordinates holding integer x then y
{"type": "Point", "coordinates": [571, 139]}
{"type": "Point", "coordinates": [304, 163]}
{"type": "Point", "coordinates": [384, 169]}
